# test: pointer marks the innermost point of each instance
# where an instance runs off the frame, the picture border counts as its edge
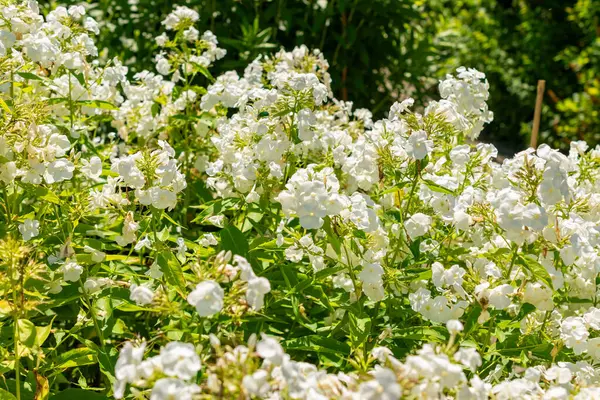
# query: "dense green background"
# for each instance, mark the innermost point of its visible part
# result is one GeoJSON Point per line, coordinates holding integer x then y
{"type": "Point", "coordinates": [384, 50]}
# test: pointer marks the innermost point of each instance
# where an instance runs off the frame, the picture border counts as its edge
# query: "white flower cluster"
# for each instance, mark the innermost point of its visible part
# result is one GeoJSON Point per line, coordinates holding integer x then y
{"type": "Point", "coordinates": [151, 101]}
{"type": "Point", "coordinates": [255, 143]}
{"type": "Point", "coordinates": [60, 45]}
{"type": "Point", "coordinates": [44, 148]}
{"type": "Point", "coordinates": [312, 195]}
{"type": "Point", "coordinates": [180, 18]}
{"type": "Point", "coordinates": [494, 212]}
{"type": "Point", "coordinates": [135, 114]}
{"type": "Point", "coordinates": [208, 296]}
{"type": "Point", "coordinates": [575, 333]}
{"type": "Point", "coordinates": [430, 374]}
{"type": "Point", "coordinates": [30, 228]}
{"type": "Point", "coordinates": [160, 182]}
{"type": "Point", "coordinates": [170, 373]}
{"type": "Point", "coordinates": [464, 100]}
{"type": "Point", "coordinates": [437, 309]}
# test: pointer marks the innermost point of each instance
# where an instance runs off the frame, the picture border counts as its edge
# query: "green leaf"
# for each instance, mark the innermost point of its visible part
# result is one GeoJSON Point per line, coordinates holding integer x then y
{"type": "Point", "coordinates": [27, 388]}
{"type": "Point", "coordinates": [214, 207]}
{"type": "Point", "coordinates": [327, 272]}
{"type": "Point", "coordinates": [131, 307]}
{"type": "Point", "coordinates": [171, 220]}
{"type": "Point", "coordinates": [317, 344]}
{"type": "Point", "coordinates": [421, 333]}
{"type": "Point", "coordinates": [4, 395]}
{"type": "Point", "coordinates": [80, 78]}
{"type": "Point", "coordinates": [155, 109]}
{"type": "Point", "coordinates": [27, 333]}
{"type": "Point", "coordinates": [125, 259]}
{"type": "Point", "coordinates": [526, 309]}
{"type": "Point", "coordinates": [29, 75]}
{"type": "Point", "coordinates": [203, 70]}
{"type": "Point", "coordinates": [5, 106]}
{"type": "Point", "coordinates": [42, 333]}
{"type": "Point", "coordinates": [500, 334]}
{"type": "Point", "coordinates": [163, 235]}
{"type": "Point", "coordinates": [170, 266]}
{"type": "Point", "coordinates": [359, 328]}
{"type": "Point", "coordinates": [234, 240]}
{"type": "Point", "coordinates": [104, 105]}
{"type": "Point", "coordinates": [471, 318]}
{"type": "Point", "coordinates": [437, 188]}
{"type": "Point", "coordinates": [333, 237]}
{"type": "Point", "coordinates": [75, 358]}
{"type": "Point", "coordinates": [184, 117]}
{"type": "Point", "coordinates": [536, 269]}
{"type": "Point", "coordinates": [57, 100]}
{"type": "Point", "coordinates": [290, 275]}
{"type": "Point", "coordinates": [46, 194]}
{"type": "Point", "coordinates": [78, 394]}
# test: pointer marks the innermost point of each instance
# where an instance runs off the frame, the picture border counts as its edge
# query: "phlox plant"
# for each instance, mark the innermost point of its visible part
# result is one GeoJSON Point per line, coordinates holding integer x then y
{"type": "Point", "coordinates": [175, 235]}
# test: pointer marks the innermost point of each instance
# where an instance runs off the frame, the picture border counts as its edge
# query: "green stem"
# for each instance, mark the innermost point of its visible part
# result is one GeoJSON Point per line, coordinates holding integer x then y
{"type": "Point", "coordinates": [90, 306]}
{"type": "Point", "coordinates": [546, 318]}
{"type": "Point", "coordinates": [94, 316]}
{"type": "Point", "coordinates": [12, 86]}
{"type": "Point", "coordinates": [16, 330]}
{"type": "Point", "coordinates": [155, 219]}
{"type": "Point", "coordinates": [351, 273]}
{"type": "Point", "coordinates": [365, 344]}
{"type": "Point", "coordinates": [7, 206]}
{"type": "Point", "coordinates": [512, 262]}
{"type": "Point", "coordinates": [70, 104]}
{"type": "Point", "coordinates": [17, 359]}
{"type": "Point", "coordinates": [412, 190]}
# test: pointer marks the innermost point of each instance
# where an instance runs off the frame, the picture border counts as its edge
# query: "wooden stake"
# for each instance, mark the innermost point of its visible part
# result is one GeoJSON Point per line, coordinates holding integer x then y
{"type": "Point", "coordinates": [538, 113]}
